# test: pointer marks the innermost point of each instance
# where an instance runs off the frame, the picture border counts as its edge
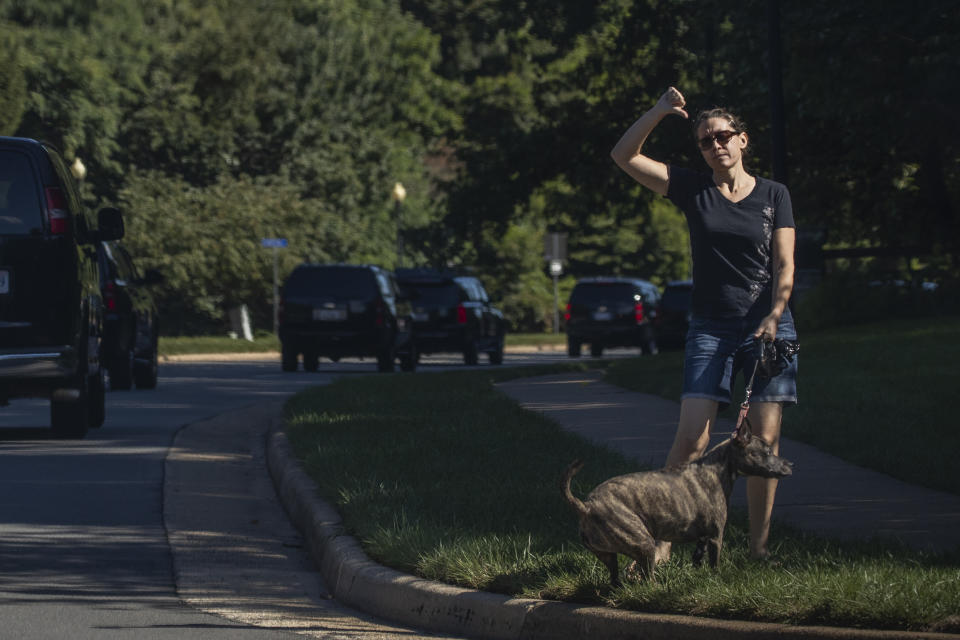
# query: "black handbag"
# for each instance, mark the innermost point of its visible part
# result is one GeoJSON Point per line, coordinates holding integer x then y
{"type": "Point", "coordinates": [775, 356]}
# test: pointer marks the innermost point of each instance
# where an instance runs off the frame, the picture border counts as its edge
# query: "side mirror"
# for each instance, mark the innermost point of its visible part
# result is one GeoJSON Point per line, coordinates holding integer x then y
{"type": "Point", "coordinates": [109, 224]}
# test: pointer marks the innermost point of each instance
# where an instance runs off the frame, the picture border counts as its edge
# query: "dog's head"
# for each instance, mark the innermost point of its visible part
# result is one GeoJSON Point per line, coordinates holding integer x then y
{"type": "Point", "coordinates": [754, 457]}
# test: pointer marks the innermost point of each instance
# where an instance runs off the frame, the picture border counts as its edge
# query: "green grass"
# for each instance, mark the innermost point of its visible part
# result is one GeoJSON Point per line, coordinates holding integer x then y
{"type": "Point", "coordinates": [170, 346]}
{"type": "Point", "coordinates": [458, 484]}
{"type": "Point", "coordinates": [536, 339]}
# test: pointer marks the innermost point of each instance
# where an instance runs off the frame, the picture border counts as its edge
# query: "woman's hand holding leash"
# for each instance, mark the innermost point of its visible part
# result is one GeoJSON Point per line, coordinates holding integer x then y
{"type": "Point", "coordinates": [767, 331]}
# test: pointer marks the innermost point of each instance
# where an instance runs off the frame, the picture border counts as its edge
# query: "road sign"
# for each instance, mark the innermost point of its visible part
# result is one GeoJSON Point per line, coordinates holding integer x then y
{"type": "Point", "coordinates": [276, 243]}
{"type": "Point", "coordinates": [555, 246]}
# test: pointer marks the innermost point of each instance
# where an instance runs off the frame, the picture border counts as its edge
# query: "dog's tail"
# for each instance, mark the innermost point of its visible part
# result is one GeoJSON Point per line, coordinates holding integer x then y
{"type": "Point", "coordinates": [574, 501]}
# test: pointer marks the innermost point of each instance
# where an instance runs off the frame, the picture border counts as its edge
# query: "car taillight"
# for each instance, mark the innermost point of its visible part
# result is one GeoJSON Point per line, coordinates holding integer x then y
{"type": "Point", "coordinates": [58, 215]}
{"type": "Point", "coordinates": [380, 313]}
{"type": "Point", "coordinates": [110, 296]}
{"type": "Point", "coordinates": [566, 315]}
{"type": "Point", "coordinates": [638, 312]}
{"type": "Point", "coordinates": [461, 314]}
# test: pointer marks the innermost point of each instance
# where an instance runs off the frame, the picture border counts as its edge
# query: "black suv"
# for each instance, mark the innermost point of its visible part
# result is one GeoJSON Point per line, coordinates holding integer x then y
{"type": "Point", "coordinates": [611, 312]}
{"type": "Point", "coordinates": [50, 305]}
{"type": "Point", "coordinates": [453, 313]}
{"type": "Point", "coordinates": [343, 310]}
{"type": "Point", "coordinates": [130, 325]}
{"type": "Point", "coordinates": [673, 317]}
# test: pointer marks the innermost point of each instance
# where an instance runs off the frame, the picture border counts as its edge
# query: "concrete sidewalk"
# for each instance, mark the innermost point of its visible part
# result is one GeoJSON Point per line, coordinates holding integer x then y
{"type": "Point", "coordinates": [825, 495]}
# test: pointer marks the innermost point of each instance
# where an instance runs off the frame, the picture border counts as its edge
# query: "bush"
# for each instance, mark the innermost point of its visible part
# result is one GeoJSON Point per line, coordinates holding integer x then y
{"type": "Point", "coordinates": [851, 299]}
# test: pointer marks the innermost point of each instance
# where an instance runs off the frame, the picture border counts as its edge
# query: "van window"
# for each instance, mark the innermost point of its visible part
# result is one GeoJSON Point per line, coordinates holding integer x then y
{"type": "Point", "coordinates": [438, 295]}
{"type": "Point", "coordinates": [20, 211]}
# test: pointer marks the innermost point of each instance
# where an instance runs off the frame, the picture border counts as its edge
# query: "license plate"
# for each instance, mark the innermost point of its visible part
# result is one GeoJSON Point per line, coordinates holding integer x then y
{"type": "Point", "coordinates": [602, 315]}
{"type": "Point", "coordinates": [420, 317]}
{"type": "Point", "coordinates": [329, 314]}
{"type": "Point", "coordinates": [4, 281]}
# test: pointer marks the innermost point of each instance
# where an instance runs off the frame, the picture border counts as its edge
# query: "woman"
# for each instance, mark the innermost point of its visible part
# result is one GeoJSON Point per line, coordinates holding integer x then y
{"type": "Point", "coordinates": [742, 238]}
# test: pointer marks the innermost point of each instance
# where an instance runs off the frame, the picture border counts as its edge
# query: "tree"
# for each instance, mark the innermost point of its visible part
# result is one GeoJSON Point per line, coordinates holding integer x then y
{"type": "Point", "coordinates": [13, 84]}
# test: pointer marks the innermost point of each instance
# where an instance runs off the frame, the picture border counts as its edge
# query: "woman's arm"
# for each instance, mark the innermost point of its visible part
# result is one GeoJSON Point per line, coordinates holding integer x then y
{"type": "Point", "coordinates": [784, 241]}
{"type": "Point", "coordinates": [649, 172]}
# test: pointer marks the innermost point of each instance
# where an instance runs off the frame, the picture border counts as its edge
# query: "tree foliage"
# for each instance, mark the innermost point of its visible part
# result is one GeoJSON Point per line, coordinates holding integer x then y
{"type": "Point", "coordinates": [214, 124]}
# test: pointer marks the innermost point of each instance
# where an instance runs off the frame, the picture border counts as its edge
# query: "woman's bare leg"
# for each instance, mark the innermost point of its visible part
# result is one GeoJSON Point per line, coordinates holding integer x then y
{"type": "Point", "coordinates": [697, 417]}
{"type": "Point", "coordinates": [765, 418]}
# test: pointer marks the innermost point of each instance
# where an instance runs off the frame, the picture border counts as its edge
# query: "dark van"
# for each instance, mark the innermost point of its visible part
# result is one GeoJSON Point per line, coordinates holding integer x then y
{"type": "Point", "coordinates": [341, 310]}
{"type": "Point", "coordinates": [453, 313]}
{"type": "Point", "coordinates": [131, 327]}
{"type": "Point", "coordinates": [612, 312]}
{"type": "Point", "coordinates": [50, 305]}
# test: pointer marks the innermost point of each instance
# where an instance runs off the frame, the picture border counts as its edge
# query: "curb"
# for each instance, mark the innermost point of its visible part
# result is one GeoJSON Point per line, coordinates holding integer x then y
{"type": "Point", "coordinates": [275, 355]}
{"type": "Point", "coordinates": [355, 580]}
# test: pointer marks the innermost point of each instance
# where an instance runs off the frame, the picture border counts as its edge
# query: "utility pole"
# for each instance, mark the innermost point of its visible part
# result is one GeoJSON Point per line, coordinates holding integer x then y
{"type": "Point", "coordinates": [275, 244]}
{"type": "Point", "coordinates": [399, 194]}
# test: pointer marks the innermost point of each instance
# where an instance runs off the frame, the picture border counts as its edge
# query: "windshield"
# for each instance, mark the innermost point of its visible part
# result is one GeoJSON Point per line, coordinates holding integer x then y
{"type": "Point", "coordinates": [339, 282]}
{"type": "Point", "coordinates": [433, 294]}
{"type": "Point", "coordinates": [20, 211]}
{"type": "Point", "coordinates": [602, 293]}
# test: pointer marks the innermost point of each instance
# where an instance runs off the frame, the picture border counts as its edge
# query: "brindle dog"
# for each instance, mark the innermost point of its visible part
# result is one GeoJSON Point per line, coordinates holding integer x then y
{"type": "Point", "coordinates": [628, 514]}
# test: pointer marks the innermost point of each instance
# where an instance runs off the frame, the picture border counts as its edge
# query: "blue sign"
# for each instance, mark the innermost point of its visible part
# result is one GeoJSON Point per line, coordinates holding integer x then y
{"type": "Point", "coordinates": [276, 243]}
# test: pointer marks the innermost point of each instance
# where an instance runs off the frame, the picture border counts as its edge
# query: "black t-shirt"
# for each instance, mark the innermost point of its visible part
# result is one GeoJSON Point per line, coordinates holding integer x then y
{"type": "Point", "coordinates": [732, 242]}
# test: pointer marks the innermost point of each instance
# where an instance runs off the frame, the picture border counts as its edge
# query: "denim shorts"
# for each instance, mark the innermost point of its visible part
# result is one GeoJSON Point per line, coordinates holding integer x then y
{"type": "Point", "coordinates": [717, 349]}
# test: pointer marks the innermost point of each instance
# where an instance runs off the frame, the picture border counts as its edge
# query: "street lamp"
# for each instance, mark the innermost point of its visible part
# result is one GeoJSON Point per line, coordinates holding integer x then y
{"type": "Point", "coordinates": [398, 194]}
{"type": "Point", "coordinates": [77, 169]}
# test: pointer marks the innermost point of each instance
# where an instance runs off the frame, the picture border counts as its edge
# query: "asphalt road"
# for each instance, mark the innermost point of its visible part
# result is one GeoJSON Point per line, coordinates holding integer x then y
{"type": "Point", "coordinates": [83, 548]}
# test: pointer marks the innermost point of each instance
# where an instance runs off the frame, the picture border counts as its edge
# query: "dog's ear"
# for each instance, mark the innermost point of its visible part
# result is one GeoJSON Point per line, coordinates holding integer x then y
{"type": "Point", "coordinates": [744, 432]}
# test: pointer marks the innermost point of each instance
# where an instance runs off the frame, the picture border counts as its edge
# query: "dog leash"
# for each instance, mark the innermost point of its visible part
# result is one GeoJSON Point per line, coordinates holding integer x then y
{"type": "Point", "coordinates": [774, 358]}
{"type": "Point", "coordinates": [745, 405]}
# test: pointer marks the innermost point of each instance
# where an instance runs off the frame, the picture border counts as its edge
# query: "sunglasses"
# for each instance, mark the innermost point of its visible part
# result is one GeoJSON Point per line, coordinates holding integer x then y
{"type": "Point", "coordinates": [723, 137]}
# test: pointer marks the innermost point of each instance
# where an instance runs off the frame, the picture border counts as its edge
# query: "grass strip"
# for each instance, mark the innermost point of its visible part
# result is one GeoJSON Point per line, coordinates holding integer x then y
{"type": "Point", "coordinates": [182, 345]}
{"type": "Point", "coordinates": [442, 476]}
{"type": "Point", "coordinates": [263, 342]}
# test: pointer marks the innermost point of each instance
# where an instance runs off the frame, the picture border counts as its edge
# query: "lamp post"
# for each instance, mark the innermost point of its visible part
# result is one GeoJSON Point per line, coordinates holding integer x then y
{"type": "Point", "coordinates": [398, 194]}
{"type": "Point", "coordinates": [78, 170]}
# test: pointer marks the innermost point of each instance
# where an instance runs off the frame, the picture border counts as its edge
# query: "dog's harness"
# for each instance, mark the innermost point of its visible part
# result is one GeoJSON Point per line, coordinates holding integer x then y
{"type": "Point", "coordinates": [772, 358]}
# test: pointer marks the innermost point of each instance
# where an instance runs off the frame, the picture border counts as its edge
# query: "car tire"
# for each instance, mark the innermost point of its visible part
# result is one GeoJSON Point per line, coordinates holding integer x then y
{"type": "Point", "coordinates": [97, 403]}
{"type": "Point", "coordinates": [311, 361]}
{"type": "Point", "coordinates": [471, 353]}
{"type": "Point", "coordinates": [573, 348]}
{"type": "Point", "coordinates": [496, 356]}
{"type": "Point", "coordinates": [288, 358]}
{"type": "Point", "coordinates": [649, 347]}
{"type": "Point", "coordinates": [596, 349]}
{"type": "Point", "coordinates": [408, 360]}
{"type": "Point", "coordinates": [145, 373]}
{"type": "Point", "coordinates": [121, 372]}
{"type": "Point", "coordinates": [385, 360]}
{"type": "Point", "coordinates": [70, 419]}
